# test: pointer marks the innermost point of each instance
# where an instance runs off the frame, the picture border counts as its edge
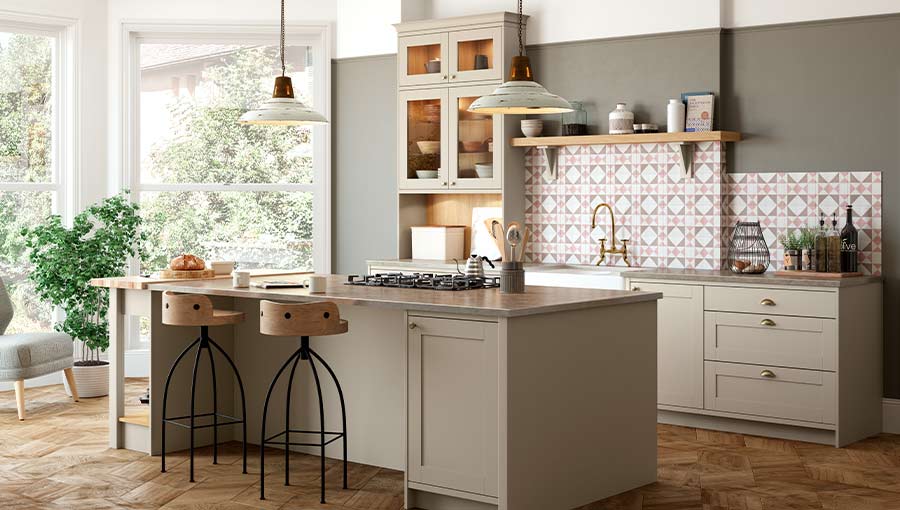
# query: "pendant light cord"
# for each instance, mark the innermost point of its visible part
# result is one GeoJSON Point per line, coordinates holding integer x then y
{"type": "Point", "coordinates": [521, 46]}
{"type": "Point", "coordinates": [282, 35]}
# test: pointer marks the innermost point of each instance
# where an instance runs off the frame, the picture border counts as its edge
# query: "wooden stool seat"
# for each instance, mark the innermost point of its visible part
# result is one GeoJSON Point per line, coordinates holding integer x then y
{"type": "Point", "coordinates": [300, 319]}
{"type": "Point", "coordinates": [195, 310]}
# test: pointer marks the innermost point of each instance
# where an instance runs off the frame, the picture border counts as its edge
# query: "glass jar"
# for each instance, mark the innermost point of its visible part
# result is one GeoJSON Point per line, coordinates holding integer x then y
{"type": "Point", "coordinates": [574, 123]}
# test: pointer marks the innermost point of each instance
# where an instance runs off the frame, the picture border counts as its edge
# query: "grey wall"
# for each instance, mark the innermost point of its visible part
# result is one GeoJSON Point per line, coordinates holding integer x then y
{"type": "Point", "coordinates": [823, 97]}
{"type": "Point", "coordinates": [644, 72]}
{"type": "Point", "coordinates": [364, 140]}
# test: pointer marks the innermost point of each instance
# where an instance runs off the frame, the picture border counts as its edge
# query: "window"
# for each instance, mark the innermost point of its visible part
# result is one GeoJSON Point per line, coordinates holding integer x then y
{"type": "Point", "coordinates": [210, 186]}
{"type": "Point", "coordinates": [33, 165]}
{"type": "Point", "coordinates": [207, 185]}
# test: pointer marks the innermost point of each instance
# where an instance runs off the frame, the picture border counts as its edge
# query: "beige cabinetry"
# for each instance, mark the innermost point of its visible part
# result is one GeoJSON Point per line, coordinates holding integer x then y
{"type": "Point", "coordinates": [680, 347]}
{"type": "Point", "coordinates": [453, 404]}
{"type": "Point", "coordinates": [787, 360]}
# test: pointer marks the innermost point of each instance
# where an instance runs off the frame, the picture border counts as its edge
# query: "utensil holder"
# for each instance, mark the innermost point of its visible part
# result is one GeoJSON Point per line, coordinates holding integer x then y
{"type": "Point", "coordinates": [512, 278]}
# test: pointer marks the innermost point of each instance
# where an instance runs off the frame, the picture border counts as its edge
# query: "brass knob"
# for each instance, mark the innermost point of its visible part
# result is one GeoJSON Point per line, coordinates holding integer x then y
{"type": "Point", "coordinates": [452, 76]}
{"type": "Point", "coordinates": [767, 302]}
{"type": "Point", "coordinates": [443, 183]}
{"type": "Point", "coordinates": [444, 77]}
{"type": "Point", "coordinates": [767, 322]}
{"type": "Point", "coordinates": [413, 325]}
{"type": "Point", "coordinates": [453, 183]}
{"type": "Point", "coordinates": [767, 373]}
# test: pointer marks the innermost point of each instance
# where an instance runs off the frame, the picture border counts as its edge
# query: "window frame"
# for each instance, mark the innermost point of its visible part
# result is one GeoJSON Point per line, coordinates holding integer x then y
{"type": "Point", "coordinates": [317, 36]}
{"type": "Point", "coordinates": [64, 181]}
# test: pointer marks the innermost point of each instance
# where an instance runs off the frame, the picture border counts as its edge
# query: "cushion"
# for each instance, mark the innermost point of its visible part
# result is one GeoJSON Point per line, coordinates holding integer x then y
{"type": "Point", "coordinates": [27, 355]}
{"type": "Point", "coordinates": [6, 309]}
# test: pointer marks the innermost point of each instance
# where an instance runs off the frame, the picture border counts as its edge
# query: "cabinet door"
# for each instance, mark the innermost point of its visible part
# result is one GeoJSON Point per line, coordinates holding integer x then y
{"type": "Point", "coordinates": [453, 404]}
{"type": "Point", "coordinates": [475, 161]}
{"type": "Point", "coordinates": [422, 60]}
{"type": "Point", "coordinates": [680, 343]}
{"type": "Point", "coordinates": [476, 54]}
{"type": "Point", "coordinates": [422, 136]}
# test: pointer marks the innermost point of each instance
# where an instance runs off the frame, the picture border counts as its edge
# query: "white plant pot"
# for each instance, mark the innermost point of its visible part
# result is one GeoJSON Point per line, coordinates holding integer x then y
{"type": "Point", "coordinates": [92, 381]}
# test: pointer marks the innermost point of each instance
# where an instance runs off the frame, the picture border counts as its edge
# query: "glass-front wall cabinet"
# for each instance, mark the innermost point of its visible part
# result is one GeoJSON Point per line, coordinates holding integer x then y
{"type": "Point", "coordinates": [423, 60]}
{"type": "Point", "coordinates": [423, 139]}
{"type": "Point", "coordinates": [476, 54]}
{"type": "Point", "coordinates": [474, 163]}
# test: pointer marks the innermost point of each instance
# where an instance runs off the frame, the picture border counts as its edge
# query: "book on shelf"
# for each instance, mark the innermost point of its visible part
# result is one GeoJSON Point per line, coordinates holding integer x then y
{"type": "Point", "coordinates": [699, 116]}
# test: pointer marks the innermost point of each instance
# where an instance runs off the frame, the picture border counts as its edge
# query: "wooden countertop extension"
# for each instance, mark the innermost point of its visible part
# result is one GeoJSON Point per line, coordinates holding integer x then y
{"type": "Point", "coordinates": [486, 302]}
{"type": "Point", "coordinates": [143, 282]}
{"type": "Point", "coordinates": [769, 278]}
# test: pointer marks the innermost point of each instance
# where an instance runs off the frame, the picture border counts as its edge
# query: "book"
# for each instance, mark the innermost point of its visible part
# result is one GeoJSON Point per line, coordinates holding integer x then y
{"type": "Point", "coordinates": [699, 116]}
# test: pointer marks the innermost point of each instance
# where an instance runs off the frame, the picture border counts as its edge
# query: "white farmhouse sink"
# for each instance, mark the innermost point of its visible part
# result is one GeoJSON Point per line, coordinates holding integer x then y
{"type": "Point", "coordinates": [577, 277]}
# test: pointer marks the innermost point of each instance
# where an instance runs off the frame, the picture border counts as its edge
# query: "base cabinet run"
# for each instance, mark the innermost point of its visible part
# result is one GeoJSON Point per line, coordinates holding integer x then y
{"type": "Point", "coordinates": [453, 409]}
{"type": "Point", "coordinates": [781, 360]}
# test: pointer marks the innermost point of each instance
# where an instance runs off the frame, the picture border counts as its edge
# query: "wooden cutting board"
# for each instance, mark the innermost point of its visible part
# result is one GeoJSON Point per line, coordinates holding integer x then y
{"type": "Point", "coordinates": [186, 275]}
{"type": "Point", "coordinates": [814, 274]}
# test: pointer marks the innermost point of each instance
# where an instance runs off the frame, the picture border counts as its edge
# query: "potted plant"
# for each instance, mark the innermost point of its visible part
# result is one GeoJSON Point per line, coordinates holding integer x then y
{"type": "Point", "coordinates": [792, 246]}
{"type": "Point", "coordinates": [807, 240]}
{"type": "Point", "coordinates": [64, 260]}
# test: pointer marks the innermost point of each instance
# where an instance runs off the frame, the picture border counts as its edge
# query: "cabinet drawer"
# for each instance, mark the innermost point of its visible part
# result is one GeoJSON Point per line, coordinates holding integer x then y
{"type": "Point", "coordinates": [787, 393]}
{"type": "Point", "coordinates": [797, 342]}
{"type": "Point", "coordinates": [807, 303]}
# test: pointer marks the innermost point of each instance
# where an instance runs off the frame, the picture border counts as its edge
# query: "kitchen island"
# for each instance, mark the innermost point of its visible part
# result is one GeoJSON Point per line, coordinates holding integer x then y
{"type": "Point", "coordinates": [542, 400]}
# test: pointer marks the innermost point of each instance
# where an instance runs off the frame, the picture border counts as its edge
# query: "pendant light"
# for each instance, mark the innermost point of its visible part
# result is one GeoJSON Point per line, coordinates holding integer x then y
{"type": "Point", "coordinates": [521, 94]}
{"type": "Point", "coordinates": [283, 109]}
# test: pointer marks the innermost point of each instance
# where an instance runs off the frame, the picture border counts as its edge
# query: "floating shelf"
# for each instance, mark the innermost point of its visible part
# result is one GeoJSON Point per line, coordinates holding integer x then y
{"type": "Point", "coordinates": [548, 145]}
{"type": "Point", "coordinates": [558, 141]}
{"type": "Point", "coordinates": [140, 418]}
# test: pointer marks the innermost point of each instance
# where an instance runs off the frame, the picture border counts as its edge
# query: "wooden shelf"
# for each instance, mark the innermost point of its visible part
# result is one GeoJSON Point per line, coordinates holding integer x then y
{"type": "Point", "coordinates": [557, 141]}
{"type": "Point", "coordinates": [142, 419]}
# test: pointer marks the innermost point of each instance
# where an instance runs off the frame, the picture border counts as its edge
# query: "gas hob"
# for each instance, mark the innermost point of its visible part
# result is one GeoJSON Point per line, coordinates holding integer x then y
{"type": "Point", "coordinates": [429, 281]}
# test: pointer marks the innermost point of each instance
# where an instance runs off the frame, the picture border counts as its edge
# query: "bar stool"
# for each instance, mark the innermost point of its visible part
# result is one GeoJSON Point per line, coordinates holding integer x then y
{"type": "Point", "coordinates": [197, 310]}
{"type": "Point", "coordinates": [303, 320]}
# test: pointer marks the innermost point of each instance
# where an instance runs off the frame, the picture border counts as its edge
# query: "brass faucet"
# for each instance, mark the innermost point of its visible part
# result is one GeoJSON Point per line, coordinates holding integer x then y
{"type": "Point", "coordinates": [612, 249]}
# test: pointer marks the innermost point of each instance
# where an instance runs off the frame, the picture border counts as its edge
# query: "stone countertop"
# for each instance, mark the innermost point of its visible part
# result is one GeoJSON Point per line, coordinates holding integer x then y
{"type": "Point", "coordinates": [486, 302]}
{"type": "Point", "coordinates": [769, 278]}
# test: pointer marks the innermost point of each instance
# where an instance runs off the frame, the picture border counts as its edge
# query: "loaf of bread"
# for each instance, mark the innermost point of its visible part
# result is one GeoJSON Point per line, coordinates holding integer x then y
{"type": "Point", "coordinates": [187, 262]}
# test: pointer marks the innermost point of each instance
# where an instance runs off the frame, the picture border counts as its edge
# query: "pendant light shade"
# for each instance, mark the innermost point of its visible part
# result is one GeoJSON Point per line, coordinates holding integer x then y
{"type": "Point", "coordinates": [520, 95]}
{"type": "Point", "coordinates": [283, 109]}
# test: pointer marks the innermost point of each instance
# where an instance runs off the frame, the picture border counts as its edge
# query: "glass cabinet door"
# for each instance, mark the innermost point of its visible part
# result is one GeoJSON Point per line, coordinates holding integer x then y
{"type": "Point", "coordinates": [423, 139]}
{"type": "Point", "coordinates": [422, 60]}
{"type": "Point", "coordinates": [476, 55]}
{"type": "Point", "coordinates": [477, 140]}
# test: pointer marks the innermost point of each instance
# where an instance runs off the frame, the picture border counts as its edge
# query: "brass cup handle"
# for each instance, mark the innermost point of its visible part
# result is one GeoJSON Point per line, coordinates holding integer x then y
{"type": "Point", "coordinates": [767, 373]}
{"type": "Point", "coordinates": [413, 325]}
{"type": "Point", "coordinates": [767, 302]}
{"type": "Point", "coordinates": [635, 288]}
{"type": "Point", "coordinates": [767, 322]}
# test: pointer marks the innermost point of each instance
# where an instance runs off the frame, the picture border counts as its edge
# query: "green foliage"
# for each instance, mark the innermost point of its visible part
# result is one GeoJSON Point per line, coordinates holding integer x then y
{"type": "Point", "coordinates": [64, 260]}
{"type": "Point", "coordinates": [791, 240]}
{"type": "Point", "coordinates": [207, 145]}
{"type": "Point", "coordinates": [807, 238]}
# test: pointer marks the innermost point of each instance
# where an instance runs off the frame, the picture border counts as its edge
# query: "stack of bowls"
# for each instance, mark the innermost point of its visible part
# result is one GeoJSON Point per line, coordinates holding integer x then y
{"type": "Point", "coordinates": [532, 127]}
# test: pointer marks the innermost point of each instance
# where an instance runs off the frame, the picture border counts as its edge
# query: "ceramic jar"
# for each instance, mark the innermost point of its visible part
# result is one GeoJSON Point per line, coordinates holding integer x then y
{"type": "Point", "coordinates": [621, 121]}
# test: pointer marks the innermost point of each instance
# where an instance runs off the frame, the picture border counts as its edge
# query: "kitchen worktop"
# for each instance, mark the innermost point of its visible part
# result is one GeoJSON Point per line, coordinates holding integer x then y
{"type": "Point", "coordinates": [714, 276]}
{"type": "Point", "coordinates": [769, 278]}
{"type": "Point", "coordinates": [485, 302]}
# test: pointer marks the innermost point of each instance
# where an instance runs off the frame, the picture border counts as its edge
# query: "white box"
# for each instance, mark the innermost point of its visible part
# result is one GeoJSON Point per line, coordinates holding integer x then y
{"type": "Point", "coordinates": [436, 242]}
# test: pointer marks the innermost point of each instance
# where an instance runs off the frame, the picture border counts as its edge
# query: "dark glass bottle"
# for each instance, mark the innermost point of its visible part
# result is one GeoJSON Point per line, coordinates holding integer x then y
{"type": "Point", "coordinates": [833, 251]}
{"type": "Point", "coordinates": [849, 245]}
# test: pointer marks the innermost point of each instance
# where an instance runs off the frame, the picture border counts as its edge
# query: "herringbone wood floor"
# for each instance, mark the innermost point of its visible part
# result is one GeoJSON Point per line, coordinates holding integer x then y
{"type": "Point", "coordinates": [58, 459]}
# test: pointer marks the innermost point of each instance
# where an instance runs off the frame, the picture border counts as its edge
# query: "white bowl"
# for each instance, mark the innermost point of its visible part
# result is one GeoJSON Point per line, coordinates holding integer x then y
{"type": "Point", "coordinates": [532, 127]}
{"type": "Point", "coordinates": [427, 174]}
{"type": "Point", "coordinates": [222, 267]}
{"type": "Point", "coordinates": [484, 170]}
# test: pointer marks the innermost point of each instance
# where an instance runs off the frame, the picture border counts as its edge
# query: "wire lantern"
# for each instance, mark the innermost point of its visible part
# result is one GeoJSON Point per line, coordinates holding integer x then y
{"type": "Point", "coordinates": [748, 252]}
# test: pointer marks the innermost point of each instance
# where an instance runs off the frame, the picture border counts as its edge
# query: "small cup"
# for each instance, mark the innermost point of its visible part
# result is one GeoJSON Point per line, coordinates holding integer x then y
{"type": "Point", "coordinates": [240, 279]}
{"type": "Point", "coordinates": [481, 61]}
{"type": "Point", "coordinates": [316, 284]}
{"type": "Point", "coordinates": [222, 267]}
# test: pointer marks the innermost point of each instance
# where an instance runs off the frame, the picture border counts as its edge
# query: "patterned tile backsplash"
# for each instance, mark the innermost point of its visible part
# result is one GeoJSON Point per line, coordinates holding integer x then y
{"type": "Point", "coordinates": [670, 221]}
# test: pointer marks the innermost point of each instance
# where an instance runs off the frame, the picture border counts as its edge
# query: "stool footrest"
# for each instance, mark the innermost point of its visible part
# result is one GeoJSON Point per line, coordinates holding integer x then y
{"type": "Point", "coordinates": [175, 420]}
{"type": "Point", "coordinates": [336, 436]}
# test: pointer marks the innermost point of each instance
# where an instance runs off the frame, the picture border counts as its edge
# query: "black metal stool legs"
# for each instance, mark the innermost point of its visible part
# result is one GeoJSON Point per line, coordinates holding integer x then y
{"type": "Point", "coordinates": [204, 342]}
{"type": "Point", "coordinates": [303, 353]}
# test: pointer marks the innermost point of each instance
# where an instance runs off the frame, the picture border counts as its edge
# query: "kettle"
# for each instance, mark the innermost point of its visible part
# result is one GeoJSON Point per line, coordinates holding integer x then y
{"type": "Point", "coordinates": [474, 265]}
